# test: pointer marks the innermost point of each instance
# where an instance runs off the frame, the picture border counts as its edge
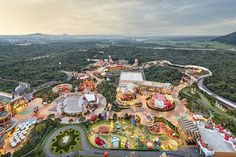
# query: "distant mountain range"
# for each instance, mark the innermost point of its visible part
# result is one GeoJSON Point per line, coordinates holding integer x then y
{"type": "Point", "coordinates": [227, 39]}
{"type": "Point", "coordinates": [39, 38]}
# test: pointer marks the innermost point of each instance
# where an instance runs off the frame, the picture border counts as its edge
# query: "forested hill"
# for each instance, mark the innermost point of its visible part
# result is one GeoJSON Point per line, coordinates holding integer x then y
{"type": "Point", "coordinates": [227, 39]}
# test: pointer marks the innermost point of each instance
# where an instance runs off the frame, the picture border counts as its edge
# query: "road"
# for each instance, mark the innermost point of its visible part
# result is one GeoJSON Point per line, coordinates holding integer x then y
{"type": "Point", "coordinates": [199, 81]}
{"type": "Point", "coordinates": [88, 150]}
{"type": "Point", "coordinates": [69, 74]}
{"type": "Point", "coordinates": [217, 97]}
{"type": "Point", "coordinates": [201, 86]}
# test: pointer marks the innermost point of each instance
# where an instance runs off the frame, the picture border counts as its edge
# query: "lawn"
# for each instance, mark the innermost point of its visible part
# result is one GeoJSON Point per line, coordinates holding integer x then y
{"type": "Point", "coordinates": [66, 141]}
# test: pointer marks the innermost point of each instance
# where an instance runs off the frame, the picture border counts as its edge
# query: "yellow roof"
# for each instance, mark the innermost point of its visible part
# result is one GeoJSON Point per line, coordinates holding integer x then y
{"type": "Point", "coordinates": [169, 97]}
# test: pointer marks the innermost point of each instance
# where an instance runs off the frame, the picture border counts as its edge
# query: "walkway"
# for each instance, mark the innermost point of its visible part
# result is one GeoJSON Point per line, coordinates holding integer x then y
{"type": "Point", "coordinates": [69, 74]}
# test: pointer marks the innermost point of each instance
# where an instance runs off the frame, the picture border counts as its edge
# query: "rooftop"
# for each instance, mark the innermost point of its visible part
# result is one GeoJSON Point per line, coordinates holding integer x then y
{"type": "Point", "coordinates": [131, 76]}
{"type": "Point", "coordinates": [156, 84]}
{"type": "Point", "coordinates": [218, 144]}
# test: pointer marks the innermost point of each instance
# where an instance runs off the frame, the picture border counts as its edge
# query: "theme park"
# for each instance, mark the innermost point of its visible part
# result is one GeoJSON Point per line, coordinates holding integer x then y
{"type": "Point", "coordinates": [112, 109]}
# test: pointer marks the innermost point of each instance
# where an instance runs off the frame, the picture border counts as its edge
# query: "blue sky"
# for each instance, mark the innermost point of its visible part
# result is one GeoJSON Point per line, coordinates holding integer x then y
{"type": "Point", "coordinates": [158, 17]}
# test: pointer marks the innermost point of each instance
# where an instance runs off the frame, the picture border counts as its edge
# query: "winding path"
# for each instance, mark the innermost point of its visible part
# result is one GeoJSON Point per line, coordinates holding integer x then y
{"type": "Point", "coordinates": [69, 74]}
{"type": "Point", "coordinates": [199, 81]}
{"type": "Point", "coordinates": [89, 150]}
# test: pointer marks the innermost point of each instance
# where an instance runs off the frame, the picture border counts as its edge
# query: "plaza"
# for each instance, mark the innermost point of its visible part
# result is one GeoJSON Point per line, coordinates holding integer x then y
{"type": "Point", "coordinates": [78, 104]}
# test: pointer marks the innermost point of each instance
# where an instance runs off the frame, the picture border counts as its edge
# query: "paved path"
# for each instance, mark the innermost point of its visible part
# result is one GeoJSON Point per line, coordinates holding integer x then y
{"type": "Point", "coordinates": [217, 97]}
{"type": "Point", "coordinates": [199, 81]}
{"type": "Point", "coordinates": [69, 74]}
{"type": "Point", "coordinates": [88, 150]}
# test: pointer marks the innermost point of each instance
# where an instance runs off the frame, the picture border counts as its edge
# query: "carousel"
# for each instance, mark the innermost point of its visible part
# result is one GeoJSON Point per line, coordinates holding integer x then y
{"type": "Point", "coordinates": [127, 91]}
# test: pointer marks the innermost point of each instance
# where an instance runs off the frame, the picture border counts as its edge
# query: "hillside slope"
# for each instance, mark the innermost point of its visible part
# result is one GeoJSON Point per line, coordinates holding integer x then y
{"type": "Point", "coordinates": [227, 39]}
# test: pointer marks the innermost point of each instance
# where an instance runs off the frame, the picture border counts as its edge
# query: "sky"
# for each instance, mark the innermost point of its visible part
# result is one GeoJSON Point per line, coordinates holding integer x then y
{"type": "Point", "coordinates": [133, 17]}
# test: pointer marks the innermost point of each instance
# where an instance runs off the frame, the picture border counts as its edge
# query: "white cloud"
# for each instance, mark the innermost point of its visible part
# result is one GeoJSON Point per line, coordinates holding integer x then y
{"type": "Point", "coordinates": [117, 16]}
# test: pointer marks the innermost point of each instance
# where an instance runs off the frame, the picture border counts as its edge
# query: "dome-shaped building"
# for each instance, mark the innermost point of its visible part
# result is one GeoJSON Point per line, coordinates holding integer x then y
{"type": "Point", "coordinates": [160, 102]}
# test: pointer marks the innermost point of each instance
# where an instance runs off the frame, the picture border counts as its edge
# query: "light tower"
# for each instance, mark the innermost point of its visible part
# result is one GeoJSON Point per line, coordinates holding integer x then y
{"type": "Point", "coordinates": [110, 59]}
{"type": "Point", "coordinates": [135, 62]}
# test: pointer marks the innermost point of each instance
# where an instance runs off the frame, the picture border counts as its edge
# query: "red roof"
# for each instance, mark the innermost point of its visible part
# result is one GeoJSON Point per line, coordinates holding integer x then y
{"type": "Point", "coordinates": [202, 143]}
{"type": "Point", "coordinates": [227, 136]}
{"type": "Point", "coordinates": [99, 141]}
{"type": "Point", "coordinates": [168, 104]}
{"type": "Point", "coordinates": [103, 129]}
{"type": "Point", "coordinates": [93, 117]}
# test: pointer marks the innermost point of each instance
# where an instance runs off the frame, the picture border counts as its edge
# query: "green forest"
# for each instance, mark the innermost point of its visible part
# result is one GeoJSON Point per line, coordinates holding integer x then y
{"type": "Point", "coordinates": [38, 63]}
{"type": "Point", "coordinates": [163, 74]}
{"type": "Point", "coordinates": [7, 86]}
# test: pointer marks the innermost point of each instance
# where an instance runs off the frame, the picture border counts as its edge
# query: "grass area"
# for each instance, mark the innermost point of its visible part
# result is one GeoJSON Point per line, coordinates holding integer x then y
{"type": "Point", "coordinates": [196, 104]}
{"type": "Point", "coordinates": [66, 141]}
{"type": "Point", "coordinates": [203, 44]}
{"type": "Point", "coordinates": [137, 136]}
{"type": "Point", "coordinates": [215, 44]}
{"type": "Point", "coordinates": [205, 103]}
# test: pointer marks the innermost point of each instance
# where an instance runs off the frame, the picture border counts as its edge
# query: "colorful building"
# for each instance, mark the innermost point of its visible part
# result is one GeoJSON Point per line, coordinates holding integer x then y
{"type": "Point", "coordinates": [115, 141]}
{"type": "Point", "coordinates": [87, 84]}
{"type": "Point", "coordinates": [7, 125]}
{"type": "Point", "coordinates": [160, 102]}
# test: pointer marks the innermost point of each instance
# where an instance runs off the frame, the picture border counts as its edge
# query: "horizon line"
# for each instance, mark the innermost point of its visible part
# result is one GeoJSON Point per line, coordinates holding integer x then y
{"type": "Point", "coordinates": [118, 34]}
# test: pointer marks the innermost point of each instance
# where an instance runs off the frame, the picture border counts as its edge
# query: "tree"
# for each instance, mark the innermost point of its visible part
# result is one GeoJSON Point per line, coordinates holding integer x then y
{"type": "Point", "coordinates": [127, 117]}
{"type": "Point", "coordinates": [51, 116]}
{"type": "Point", "coordinates": [115, 116]}
{"type": "Point", "coordinates": [39, 128]}
{"type": "Point", "coordinates": [99, 116]}
{"type": "Point", "coordinates": [57, 121]}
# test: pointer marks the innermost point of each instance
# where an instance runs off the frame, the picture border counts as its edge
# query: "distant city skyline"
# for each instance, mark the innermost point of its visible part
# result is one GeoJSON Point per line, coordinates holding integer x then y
{"type": "Point", "coordinates": [104, 17]}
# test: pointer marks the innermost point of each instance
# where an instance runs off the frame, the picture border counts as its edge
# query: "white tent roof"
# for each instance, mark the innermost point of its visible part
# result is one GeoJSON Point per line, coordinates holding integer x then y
{"type": "Point", "coordinates": [131, 76]}
{"type": "Point", "coordinates": [90, 97]}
